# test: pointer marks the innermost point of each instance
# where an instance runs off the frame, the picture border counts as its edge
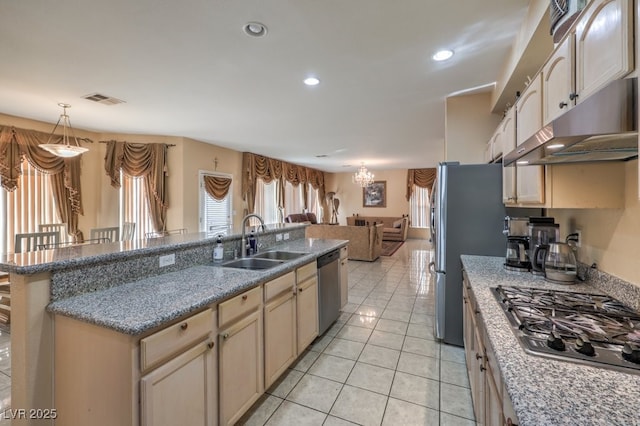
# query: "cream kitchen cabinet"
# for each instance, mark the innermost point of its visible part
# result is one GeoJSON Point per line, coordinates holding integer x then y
{"type": "Point", "coordinates": [290, 319]}
{"type": "Point", "coordinates": [136, 380]}
{"type": "Point", "coordinates": [558, 81]}
{"type": "Point", "coordinates": [241, 356]}
{"type": "Point", "coordinates": [491, 403]}
{"type": "Point", "coordinates": [508, 129]}
{"type": "Point", "coordinates": [529, 179]}
{"type": "Point", "coordinates": [604, 45]}
{"type": "Point", "coordinates": [280, 332]}
{"type": "Point", "coordinates": [307, 305]}
{"type": "Point", "coordinates": [344, 276]}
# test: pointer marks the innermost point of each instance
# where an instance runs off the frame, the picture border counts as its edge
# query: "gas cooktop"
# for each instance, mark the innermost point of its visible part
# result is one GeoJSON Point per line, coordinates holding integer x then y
{"type": "Point", "coordinates": [588, 328]}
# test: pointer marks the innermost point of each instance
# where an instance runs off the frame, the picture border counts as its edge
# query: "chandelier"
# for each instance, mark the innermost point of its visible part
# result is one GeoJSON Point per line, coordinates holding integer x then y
{"type": "Point", "coordinates": [363, 177]}
{"type": "Point", "coordinates": [65, 148]}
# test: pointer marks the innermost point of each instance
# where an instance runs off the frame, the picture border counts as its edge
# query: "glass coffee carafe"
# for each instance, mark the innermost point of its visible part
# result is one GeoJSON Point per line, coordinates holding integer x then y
{"type": "Point", "coordinates": [559, 262]}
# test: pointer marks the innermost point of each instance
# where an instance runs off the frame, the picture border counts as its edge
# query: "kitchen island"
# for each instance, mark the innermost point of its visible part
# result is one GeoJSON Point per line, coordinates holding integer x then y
{"type": "Point", "coordinates": [545, 391]}
{"type": "Point", "coordinates": [122, 287]}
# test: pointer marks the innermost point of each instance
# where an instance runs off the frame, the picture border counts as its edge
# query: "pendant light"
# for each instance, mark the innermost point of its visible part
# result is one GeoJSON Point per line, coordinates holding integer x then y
{"type": "Point", "coordinates": [69, 146]}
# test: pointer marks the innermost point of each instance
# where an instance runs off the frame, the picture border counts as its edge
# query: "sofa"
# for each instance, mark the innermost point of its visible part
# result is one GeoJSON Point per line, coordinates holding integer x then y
{"type": "Point", "coordinates": [301, 217]}
{"type": "Point", "coordinates": [365, 242]}
{"type": "Point", "coordinates": [395, 228]}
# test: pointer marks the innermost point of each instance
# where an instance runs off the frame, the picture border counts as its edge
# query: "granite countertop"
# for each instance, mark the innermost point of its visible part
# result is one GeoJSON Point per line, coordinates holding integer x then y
{"type": "Point", "coordinates": [137, 307]}
{"type": "Point", "coordinates": [545, 391]}
{"type": "Point", "coordinates": [88, 254]}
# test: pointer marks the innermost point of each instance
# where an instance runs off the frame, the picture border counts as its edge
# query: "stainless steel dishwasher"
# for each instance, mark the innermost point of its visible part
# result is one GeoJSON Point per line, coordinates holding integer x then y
{"type": "Point", "coordinates": [328, 290]}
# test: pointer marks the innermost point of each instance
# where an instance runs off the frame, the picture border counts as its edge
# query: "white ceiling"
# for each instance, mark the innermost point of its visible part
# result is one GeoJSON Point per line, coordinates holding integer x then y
{"type": "Point", "coordinates": [185, 68]}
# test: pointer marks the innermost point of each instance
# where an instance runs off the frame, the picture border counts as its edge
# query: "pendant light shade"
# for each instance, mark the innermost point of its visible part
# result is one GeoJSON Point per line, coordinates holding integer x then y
{"type": "Point", "coordinates": [69, 146]}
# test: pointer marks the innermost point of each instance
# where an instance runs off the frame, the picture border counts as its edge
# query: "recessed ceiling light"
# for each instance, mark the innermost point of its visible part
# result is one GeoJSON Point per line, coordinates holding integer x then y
{"type": "Point", "coordinates": [311, 81]}
{"type": "Point", "coordinates": [556, 146]}
{"type": "Point", "coordinates": [321, 156]}
{"type": "Point", "coordinates": [443, 55]}
{"type": "Point", "coordinates": [255, 29]}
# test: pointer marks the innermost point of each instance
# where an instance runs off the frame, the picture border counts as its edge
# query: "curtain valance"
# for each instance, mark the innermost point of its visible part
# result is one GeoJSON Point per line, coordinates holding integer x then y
{"type": "Point", "coordinates": [422, 178]}
{"type": "Point", "coordinates": [217, 186]}
{"type": "Point", "coordinates": [257, 166]}
{"type": "Point", "coordinates": [16, 144]}
{"type": "Point", "coordinates": [142, 160]}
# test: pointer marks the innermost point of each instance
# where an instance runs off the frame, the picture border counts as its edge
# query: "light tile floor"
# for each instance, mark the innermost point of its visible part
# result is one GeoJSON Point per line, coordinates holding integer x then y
{"type": "Point", "coordinates": [5, 373]}
{"type": "Point", "coordinates": [379, 364]}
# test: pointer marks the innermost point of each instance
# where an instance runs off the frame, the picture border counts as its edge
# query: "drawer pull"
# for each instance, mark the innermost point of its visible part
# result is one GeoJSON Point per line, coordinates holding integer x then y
{"type": "Point", "coordinates": [300, 290]}
{"type": "Point", "coordinates": [211, 345]}
{"type": "Point", "coordinates": [225, 336]}
{"type": "Point", "coordinates": [244, 297]}
{"type": "Point", "coordinates": [482, 368]}
{"type": "Point", "coordinates": [563, 104]}
{"type": "Point", "coordinates": [478, 356]}
{"type": "Point", "coordinates": [184, 326]}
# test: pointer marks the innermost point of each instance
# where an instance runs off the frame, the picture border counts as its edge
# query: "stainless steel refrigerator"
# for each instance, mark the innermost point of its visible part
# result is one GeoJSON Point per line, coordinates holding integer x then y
{"type": "Point", "coordinates": [467, 217]}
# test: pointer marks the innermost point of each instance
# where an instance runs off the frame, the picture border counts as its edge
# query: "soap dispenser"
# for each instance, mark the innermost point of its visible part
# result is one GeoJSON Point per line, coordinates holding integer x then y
{"type": "Point", "coordinates": [218, 251]}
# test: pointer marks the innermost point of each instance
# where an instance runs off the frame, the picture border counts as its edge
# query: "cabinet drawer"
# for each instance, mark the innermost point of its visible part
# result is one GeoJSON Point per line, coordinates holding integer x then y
{"type": "Point", "coordinates": [306, 271]}
{"type": "Point", "coordinates": [279, 285]}
{"type": "Point", "coordinates": [239, 306]}
{"type": "Point", "coordinates": [174, 339]}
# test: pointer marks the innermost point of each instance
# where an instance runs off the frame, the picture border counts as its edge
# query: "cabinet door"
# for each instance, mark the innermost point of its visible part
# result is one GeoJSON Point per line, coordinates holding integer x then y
{"type": "Point", "coordinates": [307, 312]}
{"type": "Point", "coordinates": [240, 373]}
{"type": "Point", "coordinates": [477, 379]}
{"type": "Point", "coordinates": [492, 402]}
{"type": "Point", "coordinates": [604, 45]}
{"type": "Point", "coordinates": [508, 125]}
{"type": "Point", "coordinates": [557, 82]}
{"type": "Point", "coordinates": [529, 111]}
{"type": "Point", "coordinates": [279, 336]}
{"type": "Point", "coordinates": [530, 184]}
{"type": "Point", "coordinates": [181, 391]}
{"type": "Point", "coordinates": [344, 282]}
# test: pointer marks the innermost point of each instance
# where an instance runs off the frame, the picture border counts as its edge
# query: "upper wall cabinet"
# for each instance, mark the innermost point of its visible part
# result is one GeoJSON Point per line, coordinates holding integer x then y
{"type": "Point", "coordinates": [558, 81]}
{"type": "Point", "coordinates": [529, 110]}
{"type": "Point", "coordinates": [604, 45]}
{"type": "Point", "coordinates": [508, 130]}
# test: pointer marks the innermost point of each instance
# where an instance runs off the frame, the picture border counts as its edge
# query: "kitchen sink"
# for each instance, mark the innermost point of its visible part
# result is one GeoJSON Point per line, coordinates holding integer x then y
{"type": "Point", "coordinates": [253, 263]}
{"type": "Point", "coordinates": [279, 255]}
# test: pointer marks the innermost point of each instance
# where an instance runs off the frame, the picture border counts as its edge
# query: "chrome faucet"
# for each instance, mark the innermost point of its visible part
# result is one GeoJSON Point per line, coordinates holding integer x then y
{"type": "Point", "coordinates": [244, 224]}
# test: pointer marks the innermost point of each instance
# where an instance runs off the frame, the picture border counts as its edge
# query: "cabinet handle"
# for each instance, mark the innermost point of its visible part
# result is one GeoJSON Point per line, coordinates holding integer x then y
{"type": "Point", "coordinates": [184, 326]}
{"type": "Point", "coordinates": [521, 150]}
{"type": "Point", "coordinates": [244, 297]}
{"type": "Point", "coordinates": [476, 312]}
{"type": "Point", "coordinates": [225, 336]}
{"type": "Point", "coordinates": [573, 96]}
{"type": "Point", "coordinates": [210, 345]}
{"type": "Point", "coordinates": [563, 104]}
{"type": "Point", "coordinates": [478, 356]}
{"type": "Point", "coordinates": [482, 368]}
{"type": "Point", "coordinates": [300, 290]}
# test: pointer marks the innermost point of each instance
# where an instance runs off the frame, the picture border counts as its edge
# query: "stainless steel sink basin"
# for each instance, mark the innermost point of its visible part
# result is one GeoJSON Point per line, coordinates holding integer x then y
{"type": "Point", "coordinates": [279, 255]}
{"type": "Point", "coordinates": [253, 263]}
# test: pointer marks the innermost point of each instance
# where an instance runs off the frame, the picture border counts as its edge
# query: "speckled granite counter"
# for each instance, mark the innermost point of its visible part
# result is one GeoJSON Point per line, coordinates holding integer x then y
{"type": "Point", "coordinates": [139, 306]}
{"type": "Point", "coordinates": [545, 391]}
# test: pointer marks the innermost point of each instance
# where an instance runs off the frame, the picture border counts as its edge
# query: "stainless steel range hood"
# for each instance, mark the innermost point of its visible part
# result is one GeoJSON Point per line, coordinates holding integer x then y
{"type": "Point", "coordinates": [602, 128]}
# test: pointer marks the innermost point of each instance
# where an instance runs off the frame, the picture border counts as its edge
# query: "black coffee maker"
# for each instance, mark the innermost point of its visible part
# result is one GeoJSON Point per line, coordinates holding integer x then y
{"type": "Point", "coordinates": [517, 255]}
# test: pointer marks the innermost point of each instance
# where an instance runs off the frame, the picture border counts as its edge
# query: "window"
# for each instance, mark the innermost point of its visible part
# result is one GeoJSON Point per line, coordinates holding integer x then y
{"type": "Point", "coordinates": [215, 215]}
{"type": "Point", "coordinates": [294, 203]}
{"type": "Point", "coordinates": [419, 207]}
{"type": "Point", "coordinates": [134, 206]}
{"type": "Point", "coordinates": [315, 204]}
{"type": "Point", "coordinates": [30, 205]}
{"type": "Point", "coordinates": [266, 205]}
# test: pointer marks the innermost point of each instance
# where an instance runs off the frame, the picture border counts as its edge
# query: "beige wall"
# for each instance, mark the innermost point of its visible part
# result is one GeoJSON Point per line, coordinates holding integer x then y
{"type": "Point", "coordinates": [350, 194]}
{"type": "Point", "coordinates": [469, 126]}
{"type": "Point", "coordinates": [609, 236]}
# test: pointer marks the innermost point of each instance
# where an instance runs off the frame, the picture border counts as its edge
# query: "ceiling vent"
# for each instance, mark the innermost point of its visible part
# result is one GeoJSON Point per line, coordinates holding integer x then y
{"type": "Point", "coordinates": [102, 99]}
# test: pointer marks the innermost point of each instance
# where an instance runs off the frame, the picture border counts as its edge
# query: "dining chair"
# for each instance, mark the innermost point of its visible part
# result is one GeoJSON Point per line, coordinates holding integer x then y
{"type": "Point", "coordinates": [31, 241]}
{"type": "Point", "coordinates": [112, 233]}
{"type": "Point", "coordinates": [72, 244]}
{"type": "Point", "coordinates": [159, 234]}
{"type": "Point", "coordinates": [60, 228]}
{"type": "Point", "coordinates": [128, 229]}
